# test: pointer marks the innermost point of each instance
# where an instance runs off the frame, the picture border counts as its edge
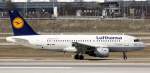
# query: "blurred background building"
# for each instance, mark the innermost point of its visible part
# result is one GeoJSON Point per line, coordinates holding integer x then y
{"type": "Point", "coordinates": [78, 0]}
{"type": "Point", "coordinates": [107, 9]}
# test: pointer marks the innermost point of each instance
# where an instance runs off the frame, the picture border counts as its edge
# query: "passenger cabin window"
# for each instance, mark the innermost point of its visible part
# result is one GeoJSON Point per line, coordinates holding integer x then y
{"type": "Point", "coordinates": [136, 40]}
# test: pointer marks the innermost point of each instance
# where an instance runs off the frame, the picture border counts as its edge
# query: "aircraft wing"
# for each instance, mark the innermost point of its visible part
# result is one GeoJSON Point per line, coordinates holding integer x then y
{"type": "Point", "coordinates": [85, 47]}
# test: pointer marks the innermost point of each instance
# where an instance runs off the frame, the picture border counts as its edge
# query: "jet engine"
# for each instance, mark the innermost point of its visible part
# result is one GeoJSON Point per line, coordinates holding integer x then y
{"type": "Point", "coordinates": [100, 52]}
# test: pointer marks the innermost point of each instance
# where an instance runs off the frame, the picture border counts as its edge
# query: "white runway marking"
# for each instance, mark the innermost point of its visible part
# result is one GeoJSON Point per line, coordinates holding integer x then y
{"type": "Point", "coordinates": [78, 69]}
{"type": "Point", "coordinates": [35, 67]}
{"type": "Point", "coordinates": [62, 66]}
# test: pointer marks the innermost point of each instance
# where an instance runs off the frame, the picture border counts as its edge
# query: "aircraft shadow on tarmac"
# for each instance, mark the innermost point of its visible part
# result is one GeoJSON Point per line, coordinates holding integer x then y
{"type": "Point", "coordinates": [100, 59]}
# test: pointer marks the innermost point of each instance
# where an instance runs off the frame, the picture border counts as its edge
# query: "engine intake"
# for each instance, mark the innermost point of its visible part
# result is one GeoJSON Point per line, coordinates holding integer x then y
{"type": "Point", "coordinates": [99, 52]}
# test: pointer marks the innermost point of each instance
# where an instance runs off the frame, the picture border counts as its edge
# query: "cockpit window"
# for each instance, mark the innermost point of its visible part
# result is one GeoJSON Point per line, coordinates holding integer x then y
{"type": "Point", "coordinates": [136, 40]}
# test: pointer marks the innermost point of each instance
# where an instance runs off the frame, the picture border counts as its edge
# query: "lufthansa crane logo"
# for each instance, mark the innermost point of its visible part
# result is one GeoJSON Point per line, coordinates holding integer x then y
{"type": "Point", "coordinates": [18, 23]}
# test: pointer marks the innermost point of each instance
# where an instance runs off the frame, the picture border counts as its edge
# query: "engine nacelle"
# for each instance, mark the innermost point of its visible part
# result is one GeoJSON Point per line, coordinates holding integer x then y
{"type": "Point", "coordinates": [101, 52]}
{"type": "Point", "coordinates": [70, 49]}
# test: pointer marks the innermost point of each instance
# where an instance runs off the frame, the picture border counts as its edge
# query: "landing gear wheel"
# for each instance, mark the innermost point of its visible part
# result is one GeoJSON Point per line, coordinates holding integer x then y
{"type": "Point", "coordinates": [81, 57]}
{"type": "Point", "coordinates": [78, 57]}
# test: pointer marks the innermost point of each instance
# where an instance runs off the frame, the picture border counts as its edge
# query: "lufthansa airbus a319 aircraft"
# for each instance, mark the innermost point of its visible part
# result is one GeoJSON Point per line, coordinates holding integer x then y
{"type": "Point", "coordinates": [92, 45]}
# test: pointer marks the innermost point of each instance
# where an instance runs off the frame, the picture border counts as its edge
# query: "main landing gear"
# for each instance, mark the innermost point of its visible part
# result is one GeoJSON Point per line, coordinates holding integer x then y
{"type": "Point", "coordinates": [125, 56]}
{"type": "Point", "coordinates": [79, 57]}
{"type": "Point", "coordinates": [80, 51]}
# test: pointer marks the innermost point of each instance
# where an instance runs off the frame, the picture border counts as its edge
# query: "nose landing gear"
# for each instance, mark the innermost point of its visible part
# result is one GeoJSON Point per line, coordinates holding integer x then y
{"type": "Point", "coordinates": [125, 56]}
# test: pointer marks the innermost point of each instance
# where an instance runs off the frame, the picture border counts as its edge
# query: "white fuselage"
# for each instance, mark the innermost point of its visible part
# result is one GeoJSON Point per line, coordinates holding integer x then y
{"type": "Point", "coordinates": [115, 43]}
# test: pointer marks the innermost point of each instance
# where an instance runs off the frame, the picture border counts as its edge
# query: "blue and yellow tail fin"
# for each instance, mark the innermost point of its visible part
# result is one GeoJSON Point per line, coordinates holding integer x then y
{"type": "Point", "coordinates": [19, 25]}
